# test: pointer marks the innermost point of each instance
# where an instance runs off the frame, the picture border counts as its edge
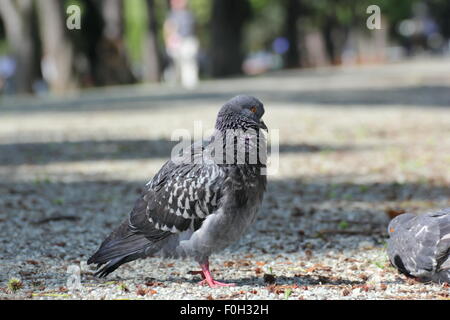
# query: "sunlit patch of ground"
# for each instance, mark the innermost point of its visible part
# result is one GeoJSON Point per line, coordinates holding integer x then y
{"type": "Point", "coordinates": [356, 145]}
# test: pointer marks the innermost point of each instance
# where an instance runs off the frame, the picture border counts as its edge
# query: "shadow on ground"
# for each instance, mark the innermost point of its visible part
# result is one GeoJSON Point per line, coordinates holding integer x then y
{"type": "Point", "coordinates": [257, 281]}
{"type": "Point", "coordinates": [421, 95]}
{"type": "Point", "coordinates": [94, 199]}
{"type": "Point", "coordinates": [44, 153]}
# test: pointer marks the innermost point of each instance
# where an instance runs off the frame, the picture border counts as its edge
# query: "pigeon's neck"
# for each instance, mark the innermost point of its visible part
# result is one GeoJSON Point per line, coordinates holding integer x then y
{"type": "Point", "coordinates": [239, 147]}
{"type": "Point", "coordinates": [230, 121]}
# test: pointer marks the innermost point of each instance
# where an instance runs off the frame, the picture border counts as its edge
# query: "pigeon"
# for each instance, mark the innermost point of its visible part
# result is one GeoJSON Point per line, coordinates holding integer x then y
{"type": "Point", "coordinates": [202, 200]}
{"type": "Point", "coordinates": [419, 246]}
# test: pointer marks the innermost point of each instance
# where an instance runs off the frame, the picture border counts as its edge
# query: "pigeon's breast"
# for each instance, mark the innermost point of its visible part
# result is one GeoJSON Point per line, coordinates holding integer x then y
{"type": "Point", "coordinates": [237, 211]}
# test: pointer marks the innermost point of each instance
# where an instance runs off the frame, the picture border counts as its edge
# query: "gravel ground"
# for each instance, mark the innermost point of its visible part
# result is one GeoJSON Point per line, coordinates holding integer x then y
{"type": "Point", "coordinates": [356, 146]}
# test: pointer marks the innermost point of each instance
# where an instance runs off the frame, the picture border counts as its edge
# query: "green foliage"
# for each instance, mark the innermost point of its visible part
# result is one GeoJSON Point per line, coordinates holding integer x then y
{"type": "Point", "coordinates": [259, 5]}
{"type": "Point", "coordinates": [58, 202]}
{"type": "Point", "coordinates": [344, 225]}
{"type": "Point", "coordinates": [14, 285]}
{"type": "Point", "coordinates": [398, 10]}
{"type": "Point", "coordinates": [287, 293]}
{"type": "Point", "coordinates": [136, 22]}
{"type": "Point", "coordinates": [258, 34]}
{"type": "Point", "coordinates": [201, 10]}
{"type": "Point", "coordinates": [4, 48]}
{"type": "Point", "coordinates": [78, 3]}
{"type": "Point", "coordinates": [123, 287]}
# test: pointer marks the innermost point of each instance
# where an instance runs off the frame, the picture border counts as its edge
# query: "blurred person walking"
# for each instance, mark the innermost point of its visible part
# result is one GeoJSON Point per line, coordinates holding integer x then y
{"type": "Point", "coordinates": [181, 44]}
{"type": "Point", "coordinates": [8, 67]}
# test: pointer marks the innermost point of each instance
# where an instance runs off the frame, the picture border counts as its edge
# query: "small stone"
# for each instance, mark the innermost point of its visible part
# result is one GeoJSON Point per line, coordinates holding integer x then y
{"type": "Point", "coordinates": [365, 245]}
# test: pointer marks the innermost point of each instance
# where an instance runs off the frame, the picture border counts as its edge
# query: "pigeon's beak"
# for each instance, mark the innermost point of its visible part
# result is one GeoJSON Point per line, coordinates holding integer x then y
{"type": "Point", "coordinates": [263, 126]}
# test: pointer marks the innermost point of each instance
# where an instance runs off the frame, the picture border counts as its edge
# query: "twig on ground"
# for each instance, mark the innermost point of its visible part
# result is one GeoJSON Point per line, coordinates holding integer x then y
{"type": "Point", "coordinates": [57, 218]}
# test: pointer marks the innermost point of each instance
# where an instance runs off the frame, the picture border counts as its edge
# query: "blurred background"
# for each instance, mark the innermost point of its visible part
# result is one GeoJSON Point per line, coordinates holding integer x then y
{"type": "Point", "coordinates": [89, 104]}
{"type": "Point", "coordinates": [180, 41]}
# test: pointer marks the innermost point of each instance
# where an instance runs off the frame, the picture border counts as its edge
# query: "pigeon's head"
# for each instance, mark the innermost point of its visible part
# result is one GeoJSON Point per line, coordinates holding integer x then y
{"type": "Point", "coordinates": [241, 112]}
{"type": "Point", "coordinates": [399, 222]}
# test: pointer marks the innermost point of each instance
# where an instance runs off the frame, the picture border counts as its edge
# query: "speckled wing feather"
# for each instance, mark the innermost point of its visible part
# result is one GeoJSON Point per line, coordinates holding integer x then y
{"type": "Point", "coordinates": [422, 243]}
{"type": "Point", "coordinates": [178, 197]}
{"type": "Point", "coordinates": [421, 246]}
{"type": "Point", "coordinates": [443, 246]}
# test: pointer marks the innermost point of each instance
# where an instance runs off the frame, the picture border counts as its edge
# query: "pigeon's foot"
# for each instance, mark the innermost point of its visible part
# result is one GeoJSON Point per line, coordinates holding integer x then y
{"type": "Point", "coordinates": [215, 284]}
{"type": "Point", "coordinates": [208, 279]}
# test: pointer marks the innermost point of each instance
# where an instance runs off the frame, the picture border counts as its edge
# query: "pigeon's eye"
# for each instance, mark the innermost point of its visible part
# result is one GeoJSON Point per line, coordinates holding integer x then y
{"type": "Point", "coordinates": [391, 230]}
{"type": "Point", "coordinates": [253, 109]}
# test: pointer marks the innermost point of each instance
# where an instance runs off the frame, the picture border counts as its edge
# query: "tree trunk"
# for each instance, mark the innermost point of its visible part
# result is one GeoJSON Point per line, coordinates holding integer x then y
{"type": "Point", "coordinates": [292, 56]}
{"type": "Point", "coordinates": [57, 51]}
{"type": "Point", "coordinates": [151, 57]}
{"type": "Point", "coordinates": [112, 11]}
{"type": "Point", "coordinates": [114, 66]}
{"type": "Point", "coordinates": [85, 42]}
{"type": "Point", "coordinates": [327, 32]}
{"type": "Point", "coordinates": [16, 16]}
{"type": "Point", "coordinates": [227, 22]}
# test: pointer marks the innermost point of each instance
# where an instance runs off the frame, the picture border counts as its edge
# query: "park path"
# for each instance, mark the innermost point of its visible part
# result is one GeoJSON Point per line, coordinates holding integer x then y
{"type": "Point", "coordinates": [356, 145]}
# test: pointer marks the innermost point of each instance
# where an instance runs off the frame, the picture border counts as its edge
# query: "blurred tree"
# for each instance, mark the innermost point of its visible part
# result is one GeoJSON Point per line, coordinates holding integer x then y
{"type": "Point", "coordinates": [227, 22]}
{"type": "Point", "coordinates": [292, 56]}
{"type": "Point", "coordinates": [336, 20]}
{"type": "Point", "coordinates": [202, 10]}
{"type": "Point", "coordinates": [440, 9]}
{"type": "Point", "coordinates": [57, 51]}
{"type": "Point", "coordinates": [333, 18]}
{"type": "Point", "coordinates": [329, 30]}
{"type": "Point", "coordinates": [17, 17]}
{"type": "Point", "coordinates": [151, 56]}
{"type": "Point", "coordinates": [141, 33]}
{"type": "Point", "coordinates": [86, 40]}
{"type": "Point", "coordinates": [135, 25]}
{"type": "Point", "coordinates": [114, 67]}
{"type": "Point", "coordinates": [257, 36]}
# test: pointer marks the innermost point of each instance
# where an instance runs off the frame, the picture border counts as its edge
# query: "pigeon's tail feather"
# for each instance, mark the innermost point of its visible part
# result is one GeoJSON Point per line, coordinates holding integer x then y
{"type": "Point", "coordinates": [442, 276]}
{"type": "Point", "coordinates": [120, 247]}
{"type": "Point", "coordinates": [112, 265]}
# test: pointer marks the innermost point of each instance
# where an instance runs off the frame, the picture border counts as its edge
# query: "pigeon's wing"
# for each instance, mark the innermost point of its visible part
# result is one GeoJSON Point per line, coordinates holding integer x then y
{"type": "Point", "coordinates": [179, 197]}
{"type": "Point", "coordinates": [443, 248]}
{"type": "Point", "coordinates": [413, 247]}
{"type": "Point", "coordinates": [426, 234]}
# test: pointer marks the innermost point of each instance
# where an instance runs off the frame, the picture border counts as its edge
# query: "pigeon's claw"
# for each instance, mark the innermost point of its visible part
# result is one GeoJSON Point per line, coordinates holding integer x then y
{"type": "Point", "coordinates": [215, 284]}
{"type": "Point", "coordinates": [208, 279]}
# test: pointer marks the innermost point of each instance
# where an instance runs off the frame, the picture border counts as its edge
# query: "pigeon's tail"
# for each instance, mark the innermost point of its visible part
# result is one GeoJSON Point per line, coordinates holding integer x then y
{"type": "Point", "coordinates": [120, 247]}
{"type": "Point", "coordinates": [442, 276]}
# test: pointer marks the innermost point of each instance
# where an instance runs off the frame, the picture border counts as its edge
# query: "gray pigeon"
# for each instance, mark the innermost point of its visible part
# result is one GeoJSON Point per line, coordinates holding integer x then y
{"type": "Point", "coordinates": [419, 246]}
{"type": "Point", "coordinates": [200, 202]}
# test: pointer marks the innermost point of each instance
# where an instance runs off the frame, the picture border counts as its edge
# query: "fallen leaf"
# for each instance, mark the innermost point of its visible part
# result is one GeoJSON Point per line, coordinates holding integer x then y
{"type": "Point", "coordinates": [345, 292]}
{"type": "Point", "coordinates": [318, 267]}
{"type": "Point", "coordinates": [154, 284]}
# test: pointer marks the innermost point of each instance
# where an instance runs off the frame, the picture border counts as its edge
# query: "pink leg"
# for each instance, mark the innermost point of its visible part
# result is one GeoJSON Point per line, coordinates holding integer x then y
{"type": "Point", "coordinates": [208, 279]}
